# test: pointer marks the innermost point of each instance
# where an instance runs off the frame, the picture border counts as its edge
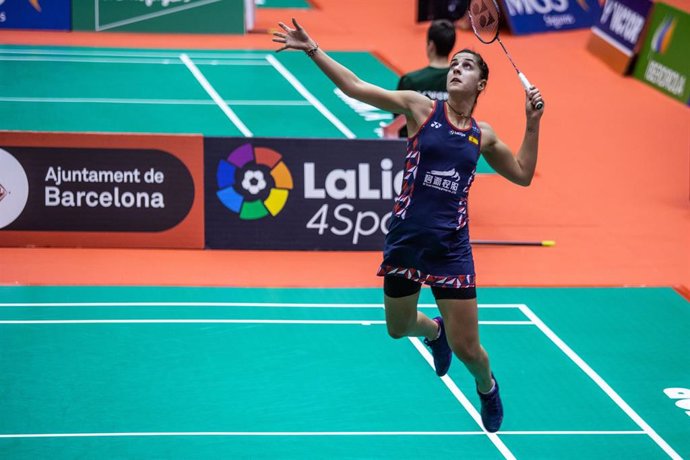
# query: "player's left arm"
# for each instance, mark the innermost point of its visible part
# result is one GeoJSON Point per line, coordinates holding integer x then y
{"type": "Point", "coordinates": [516, 168]}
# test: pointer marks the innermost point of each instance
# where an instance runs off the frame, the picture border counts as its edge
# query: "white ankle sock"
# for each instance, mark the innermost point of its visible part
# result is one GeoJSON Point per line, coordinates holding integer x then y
{"type": "Point", "coordinates": [438, 334]}
{"type": "Point", "coordinates": [493, 386]}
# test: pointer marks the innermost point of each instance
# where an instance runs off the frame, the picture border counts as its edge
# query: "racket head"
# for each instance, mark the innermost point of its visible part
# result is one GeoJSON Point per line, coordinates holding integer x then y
{"type": "Point", "coordinates": [485, 17]}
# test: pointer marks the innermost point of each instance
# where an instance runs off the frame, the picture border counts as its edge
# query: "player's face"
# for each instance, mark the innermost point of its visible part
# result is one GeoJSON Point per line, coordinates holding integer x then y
{"type": "Point", "coordinates": [464, 74]}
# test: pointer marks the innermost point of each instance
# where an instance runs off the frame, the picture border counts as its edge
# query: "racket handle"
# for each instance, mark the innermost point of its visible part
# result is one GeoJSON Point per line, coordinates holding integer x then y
{"type": "Point", "coordinates": [525, 82]}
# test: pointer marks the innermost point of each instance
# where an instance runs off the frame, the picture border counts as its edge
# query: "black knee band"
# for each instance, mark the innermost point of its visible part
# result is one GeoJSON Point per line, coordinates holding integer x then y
{"type": "Point", "coordinates": [397, 286]}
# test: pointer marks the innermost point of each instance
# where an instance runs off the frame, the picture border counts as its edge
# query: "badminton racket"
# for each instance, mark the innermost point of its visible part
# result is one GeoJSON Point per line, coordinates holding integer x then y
{"type": "Point", "coordinates": [485, 18]}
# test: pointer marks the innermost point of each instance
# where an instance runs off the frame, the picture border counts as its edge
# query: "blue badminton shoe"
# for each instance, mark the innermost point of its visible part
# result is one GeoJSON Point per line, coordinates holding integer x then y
{"type": "Point", "coordinates": [440, 350]}
{"type": "Point", "coordinates": [492, 408]}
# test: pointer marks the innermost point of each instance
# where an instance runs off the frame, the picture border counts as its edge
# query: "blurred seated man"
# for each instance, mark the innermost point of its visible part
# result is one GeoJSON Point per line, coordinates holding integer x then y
{"type": "Point", "coordinates": [430, 80]}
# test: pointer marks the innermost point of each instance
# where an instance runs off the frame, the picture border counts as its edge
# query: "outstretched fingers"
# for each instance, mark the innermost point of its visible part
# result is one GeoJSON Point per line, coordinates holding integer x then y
{"type": "Point", "coordinates": [280, 38]}
{"type": "Point", "coordinates": [292, 38]}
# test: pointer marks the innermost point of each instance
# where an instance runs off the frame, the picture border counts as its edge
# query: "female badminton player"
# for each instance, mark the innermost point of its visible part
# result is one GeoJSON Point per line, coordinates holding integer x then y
{"type": "Point", "coordinates": [428, 241]}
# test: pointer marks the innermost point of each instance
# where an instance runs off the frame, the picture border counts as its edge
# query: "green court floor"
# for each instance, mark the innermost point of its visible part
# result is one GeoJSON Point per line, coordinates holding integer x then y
{"type": "Point", "coordinates": [214, 93]}
{"type": "Point", "coordinates": [152, 372]}
{"type": "Point", "coordinates": [173, 91]}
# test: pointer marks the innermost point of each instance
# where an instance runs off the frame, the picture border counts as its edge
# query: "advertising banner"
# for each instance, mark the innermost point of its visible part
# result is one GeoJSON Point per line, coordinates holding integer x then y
{"type": "Point", "coordinates": [530, 16]}
{"type": "Point", "coordinates": [301, 194]}
{"type": "Point", "coordinates": [168, 16]}
{"type": "Point", "coordinates": [101, 190]}
{"type": "Point", "coordinates": [616, 35]}
{"type": "Point", "coordinates": [663, 62]}
{"type": "Point", "coordinates": [35, 14]}
{"type": "Point", "coordinates": [431, 10]}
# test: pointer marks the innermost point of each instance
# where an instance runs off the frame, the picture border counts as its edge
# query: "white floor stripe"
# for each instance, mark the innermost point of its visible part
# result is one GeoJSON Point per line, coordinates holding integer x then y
{"type": "Point", "coordinates": [307, 433]}
{"type": "Point", "coordinates": [85, 100]}
{"type": "Point", "coordinates": [462, 399]}
{"type": "Point", "coordinates": [573, 433]}
{"type": "Point", "coordinates": [193, 321]}
{"type": "Point", "coordinates": [364, 322]}
{"type": "Point", "coordinates": [148, 61]}
{"type": "Point", "coordinates": [135, 54]}
{"type": "Point", "coordinates": [600, 382]}
{"type": "Point", "coordinates": [225, 304]}
{"type": "Point", "coordinates": [310, 97]}
{"type": "Point", "coordinates": [215, 96]}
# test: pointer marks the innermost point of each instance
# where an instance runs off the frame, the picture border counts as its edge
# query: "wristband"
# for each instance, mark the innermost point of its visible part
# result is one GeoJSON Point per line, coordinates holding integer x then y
{"type": "Point", "coordinates": [312, 51]}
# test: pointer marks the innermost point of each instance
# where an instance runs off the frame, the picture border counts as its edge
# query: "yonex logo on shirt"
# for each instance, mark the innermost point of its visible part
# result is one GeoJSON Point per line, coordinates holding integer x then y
{"type": "Point", "coordinates": [435, 124]}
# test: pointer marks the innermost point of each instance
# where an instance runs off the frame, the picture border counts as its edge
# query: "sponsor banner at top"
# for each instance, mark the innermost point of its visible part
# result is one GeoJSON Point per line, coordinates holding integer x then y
{"type": "Point", "coordinates": [621, 23]}
{"type": "Point", "coordinates": [168, 16]}
{"type": "Point", "coordinates": [663, 60]}
{"type": "Point", "coordinates": [529, 16]}
{"type": "Point", "coordinates": [35, 14]}
{"type": "Point", "coordinates": [302, 194]}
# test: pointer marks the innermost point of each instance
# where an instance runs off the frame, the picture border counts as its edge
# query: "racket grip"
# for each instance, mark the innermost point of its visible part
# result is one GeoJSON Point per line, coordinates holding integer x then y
{"type": "Point", "coordinates": [525, 82]}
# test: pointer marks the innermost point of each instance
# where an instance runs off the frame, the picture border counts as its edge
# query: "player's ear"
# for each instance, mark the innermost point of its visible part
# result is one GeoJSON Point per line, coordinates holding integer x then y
{"type": "Point", "coordinates": [481, 85]}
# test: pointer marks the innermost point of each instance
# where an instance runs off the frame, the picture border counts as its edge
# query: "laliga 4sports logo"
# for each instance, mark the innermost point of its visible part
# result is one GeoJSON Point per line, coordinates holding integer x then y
{"type": "Point", "coordinates": [253, 182]}
{"type": "Point", "coordinates": [663, 35]}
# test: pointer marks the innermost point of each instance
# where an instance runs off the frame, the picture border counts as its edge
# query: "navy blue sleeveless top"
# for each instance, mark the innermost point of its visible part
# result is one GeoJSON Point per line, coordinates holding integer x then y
{"type": "Point", "coordinates": [440, 167]}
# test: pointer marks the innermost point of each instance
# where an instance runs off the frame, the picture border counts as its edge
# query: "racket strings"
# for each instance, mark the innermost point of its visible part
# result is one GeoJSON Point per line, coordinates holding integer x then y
{"type": "Point", "coordinates": [484, 19]}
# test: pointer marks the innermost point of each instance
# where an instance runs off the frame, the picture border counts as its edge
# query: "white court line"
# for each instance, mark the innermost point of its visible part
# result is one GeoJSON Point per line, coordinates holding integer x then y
{"type": "Point", "coordinates": [600, 382]}
{"type": "Point", "coordinates": [215, 96]}
{"type": "Point", "coordinates": [364, 322]}
{"type": "Point", "coordinates": [310, 97]}
{"type": "Point", "coordinates": [134, 54]}
{"type": "Point", "coordinates": [227, 304]}
{"type": "Point", "coordinates": [307, 433]}
{"type": "Point", "coordinates": [86, 100]}
{"type": "Point", "coordinates": [462, 399]}
{"type": "Point", "coordinates": [193, 321]}
{"type": "Point", "coordinates": [147, 61]}
{"type": "Point", "coordinates": [574, 433]}
{"type": "Point", "coordinates": [167, 11]}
